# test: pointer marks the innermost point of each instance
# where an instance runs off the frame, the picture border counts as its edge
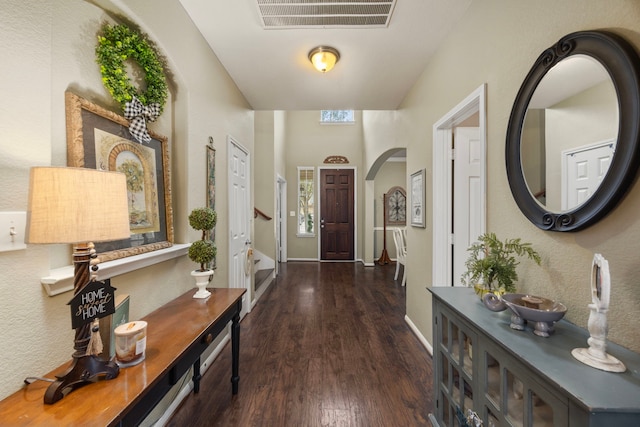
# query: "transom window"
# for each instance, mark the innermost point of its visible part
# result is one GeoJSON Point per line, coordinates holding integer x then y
{"type": "Point", "coordinates": [336, 116]}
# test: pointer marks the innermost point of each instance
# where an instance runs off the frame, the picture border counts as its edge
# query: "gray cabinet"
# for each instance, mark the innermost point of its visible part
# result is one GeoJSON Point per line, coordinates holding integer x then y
{"type": "Point", "coordinates": [512, 378]}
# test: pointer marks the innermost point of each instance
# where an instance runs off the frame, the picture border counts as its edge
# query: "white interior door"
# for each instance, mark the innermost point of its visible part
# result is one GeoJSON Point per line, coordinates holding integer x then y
{"type": "Point", "coordinates": [467, 195]}
{"type": "Point", "coordinates": [239, 222]}
{"type": "Point", "coordinates": [443, 184]}
{"type": "Point", "coordinates": [583, 169]}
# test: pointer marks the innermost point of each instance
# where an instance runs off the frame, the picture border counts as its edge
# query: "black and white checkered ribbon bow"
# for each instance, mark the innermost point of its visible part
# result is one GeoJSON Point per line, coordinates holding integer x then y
{"type": "Point", "coordinates": [137, 113]}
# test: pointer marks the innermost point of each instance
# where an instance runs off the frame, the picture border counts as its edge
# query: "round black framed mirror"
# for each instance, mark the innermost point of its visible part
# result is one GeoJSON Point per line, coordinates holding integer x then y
{"type": "Point", "coordinates": [603, 109]}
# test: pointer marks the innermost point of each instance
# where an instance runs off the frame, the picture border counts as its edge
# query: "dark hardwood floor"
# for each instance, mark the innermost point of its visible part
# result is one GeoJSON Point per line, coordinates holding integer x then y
{"type": "Point", "coordinates": [326, 345]}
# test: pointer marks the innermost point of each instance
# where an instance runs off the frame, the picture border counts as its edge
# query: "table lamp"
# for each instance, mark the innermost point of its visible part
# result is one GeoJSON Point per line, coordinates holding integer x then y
{"type": "Point", "coordinates": [78, 206]}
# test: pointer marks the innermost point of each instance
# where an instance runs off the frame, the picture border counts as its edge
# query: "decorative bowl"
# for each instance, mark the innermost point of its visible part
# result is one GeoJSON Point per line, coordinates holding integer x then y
{"type": "Point", "coordinates": [542, 311]}
{"type": "Point", "coordinates": [482, 290]}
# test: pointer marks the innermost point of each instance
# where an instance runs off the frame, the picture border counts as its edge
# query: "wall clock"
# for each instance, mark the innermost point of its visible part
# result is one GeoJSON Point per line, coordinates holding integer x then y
{"type": "Point", "coordinates": [396, 206]}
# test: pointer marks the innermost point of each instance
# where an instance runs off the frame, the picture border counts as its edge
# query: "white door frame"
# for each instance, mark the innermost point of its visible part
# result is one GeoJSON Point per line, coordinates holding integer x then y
{"type": "Point", "coordinates": [442, 184]}
{"type": "Point", "coordinates": [248, 296]}
{"type": "Point", "coordinates": [281, 221]}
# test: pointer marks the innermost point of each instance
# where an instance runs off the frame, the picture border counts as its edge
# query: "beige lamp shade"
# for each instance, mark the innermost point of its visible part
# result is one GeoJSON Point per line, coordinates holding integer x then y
{"type": "Point", "coordinates": [324, 58]}
{"type": "Point", "coordinates": [76, 205]}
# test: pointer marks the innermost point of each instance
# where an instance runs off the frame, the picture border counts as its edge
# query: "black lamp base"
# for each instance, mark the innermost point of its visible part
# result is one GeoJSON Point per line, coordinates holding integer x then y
{"type": "Point", "coordinates": [83, 370]}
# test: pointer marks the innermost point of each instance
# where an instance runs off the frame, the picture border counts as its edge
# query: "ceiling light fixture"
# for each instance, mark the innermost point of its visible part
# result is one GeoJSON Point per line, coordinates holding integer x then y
{"type": "Point", "coordinates": [324, 58]}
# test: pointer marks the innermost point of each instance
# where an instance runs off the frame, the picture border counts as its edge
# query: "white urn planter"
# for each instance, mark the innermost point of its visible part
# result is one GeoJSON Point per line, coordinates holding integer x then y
{"type": "Point", "coordinates": [202, 280]}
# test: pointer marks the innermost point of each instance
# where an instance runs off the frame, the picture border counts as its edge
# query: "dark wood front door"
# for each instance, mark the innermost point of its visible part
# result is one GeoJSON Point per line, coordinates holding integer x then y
{"type": "Point", "coordinates": [337, 214]}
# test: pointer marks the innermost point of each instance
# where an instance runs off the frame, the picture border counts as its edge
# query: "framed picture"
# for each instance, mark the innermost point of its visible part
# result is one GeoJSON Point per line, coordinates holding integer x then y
{"type": "Point", "coordinates": [417, 199]}
{"type": "Point", "coordinates": [396, 207]}
{"type": "Point", "coordinates": [100, 139]}
{"type": "Point", "coordinates": [211, 191]}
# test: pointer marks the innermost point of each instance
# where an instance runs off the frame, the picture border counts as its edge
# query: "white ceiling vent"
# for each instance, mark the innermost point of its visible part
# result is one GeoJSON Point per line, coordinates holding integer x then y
{"type": "Point", "coordinates": [325, 13]}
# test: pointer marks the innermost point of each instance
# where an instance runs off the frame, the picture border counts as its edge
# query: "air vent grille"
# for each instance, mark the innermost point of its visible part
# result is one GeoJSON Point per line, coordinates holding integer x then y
{"type": "Point", "coordinates": [324, 13]}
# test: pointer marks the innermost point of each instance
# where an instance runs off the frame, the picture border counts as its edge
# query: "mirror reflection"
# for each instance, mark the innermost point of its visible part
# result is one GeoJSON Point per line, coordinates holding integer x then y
{"type": "Point", "coordinates": [569, 133]}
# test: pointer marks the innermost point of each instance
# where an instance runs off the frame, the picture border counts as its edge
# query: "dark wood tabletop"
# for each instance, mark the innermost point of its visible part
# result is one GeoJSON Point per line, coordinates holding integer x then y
{"type": "Point", "coordinates": [174, 330]}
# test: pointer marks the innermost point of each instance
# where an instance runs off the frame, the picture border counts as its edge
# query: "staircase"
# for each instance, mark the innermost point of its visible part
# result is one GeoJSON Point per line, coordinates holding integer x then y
{"type": "Point", "coordinates": [263, 268]}
{"type": "Point", "coordinates": [262, 277]}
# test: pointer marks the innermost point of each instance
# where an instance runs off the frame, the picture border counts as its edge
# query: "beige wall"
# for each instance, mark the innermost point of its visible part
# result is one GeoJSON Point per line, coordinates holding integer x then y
{"type": "Point", "coordinates": [390, 174]}
{"type": "Point", "coordinates": [279, 123]}
{"type": "Point", "coordinates": [381, 135]}
{"type": "Point", "coordinates": [584, 119]}
{"type": "Point", "coordinates": [496, 43]}
{"type": "Point", "coordinates": [533, 151]}
{"type": "Point", "coordinates": [264, 179]}
{"type": "Point", "coordinates": [51, 49]}
{"type": "Point", "coordinates": [308, 143]}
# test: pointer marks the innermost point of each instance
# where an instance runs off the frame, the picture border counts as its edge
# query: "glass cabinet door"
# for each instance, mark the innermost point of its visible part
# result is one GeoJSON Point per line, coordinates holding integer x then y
{"type": "Point", "coordinates": [511, 399]}
{"type": "Point", "coordinates": [486, 373]}
{"type": "Point", "coordinates": [454, 370]}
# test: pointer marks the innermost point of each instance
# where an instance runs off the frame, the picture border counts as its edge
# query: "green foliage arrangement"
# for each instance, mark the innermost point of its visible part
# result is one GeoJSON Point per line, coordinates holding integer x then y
{"type": "Point", "coordinates": [203, 251]}
{"type": "Point", "coordinates": [492, 262]}
{"type": "Point", "coordinates": [118, 43]}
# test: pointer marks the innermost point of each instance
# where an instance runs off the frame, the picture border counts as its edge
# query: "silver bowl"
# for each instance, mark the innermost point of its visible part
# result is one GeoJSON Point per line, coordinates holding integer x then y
{"type": "Point", "coordinates": [542, 311]}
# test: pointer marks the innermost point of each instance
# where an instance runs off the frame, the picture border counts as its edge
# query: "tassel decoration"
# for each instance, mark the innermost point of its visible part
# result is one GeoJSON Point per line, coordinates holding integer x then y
{"type": "Point", "coordinates": [95, 342]}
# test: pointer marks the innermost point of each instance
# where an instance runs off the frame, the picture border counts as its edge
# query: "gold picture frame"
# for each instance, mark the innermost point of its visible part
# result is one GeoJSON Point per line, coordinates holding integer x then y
{"type": "Point", "coordinates": [211, 192]}
{"type": "Point", "coordinates": [99, 139]}
{"type": "Point", "coordinates": [418, 199]}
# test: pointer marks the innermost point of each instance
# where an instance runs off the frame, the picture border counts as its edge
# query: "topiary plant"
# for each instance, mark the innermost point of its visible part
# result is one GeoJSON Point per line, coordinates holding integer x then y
{"type": "Point", "coordinates": [203, 251]}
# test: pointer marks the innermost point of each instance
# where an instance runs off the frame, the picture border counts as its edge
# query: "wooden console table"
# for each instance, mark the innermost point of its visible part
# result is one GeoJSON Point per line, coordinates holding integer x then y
{"type": "Point", "coordinates": [177, 335]}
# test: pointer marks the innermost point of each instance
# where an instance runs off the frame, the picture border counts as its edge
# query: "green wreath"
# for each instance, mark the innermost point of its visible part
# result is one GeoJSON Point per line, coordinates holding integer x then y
{"type": "Point", "coordinates": [119, 43]}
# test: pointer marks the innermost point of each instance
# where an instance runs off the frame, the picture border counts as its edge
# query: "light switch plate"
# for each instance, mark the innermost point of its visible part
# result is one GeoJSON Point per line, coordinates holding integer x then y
{"type": "Point", "coordinates": [292, 213]}
{"type": "Point", "coordinates": [12, 229]}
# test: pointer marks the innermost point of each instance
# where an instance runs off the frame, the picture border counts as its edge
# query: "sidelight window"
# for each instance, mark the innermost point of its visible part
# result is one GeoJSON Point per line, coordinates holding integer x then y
{"type": "Point", "coordinates": [306, 211]}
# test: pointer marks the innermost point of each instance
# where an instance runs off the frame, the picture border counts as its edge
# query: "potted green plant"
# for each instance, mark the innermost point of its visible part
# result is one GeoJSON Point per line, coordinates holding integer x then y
{"type": "Point", "coordinates": [491, 266]}
{"type": "Point", "coordinates": [202, 251]}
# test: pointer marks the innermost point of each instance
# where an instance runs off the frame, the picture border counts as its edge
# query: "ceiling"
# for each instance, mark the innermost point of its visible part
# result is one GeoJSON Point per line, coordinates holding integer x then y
{"type": "Point", "coordinates": [567, 78]}
{"type": "Point", "coordinates": [378, 65]}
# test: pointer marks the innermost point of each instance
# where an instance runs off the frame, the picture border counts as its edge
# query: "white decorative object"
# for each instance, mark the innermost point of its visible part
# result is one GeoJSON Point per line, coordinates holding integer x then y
{"type": "Point", "coordinates": [596, 355]}
{"type": "Point", "coordinates": [202, 280]}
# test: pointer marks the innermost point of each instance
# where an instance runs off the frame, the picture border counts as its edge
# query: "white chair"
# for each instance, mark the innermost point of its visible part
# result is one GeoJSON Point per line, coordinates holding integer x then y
{"type": "Point", "coordinates": [400, 239]}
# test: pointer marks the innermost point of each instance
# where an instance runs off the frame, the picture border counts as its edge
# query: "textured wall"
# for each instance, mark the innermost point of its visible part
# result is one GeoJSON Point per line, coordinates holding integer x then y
{"type": "Point", "coordinates": [391, 174]}
{"type": "Point", "coordinates": [308, 144]}
{"type": "Point", "coordinates": [48, 48]}
{"type": "Point", "coordinates": [496, 43]}
{"type": "Point", "coordinates": [265, 178]}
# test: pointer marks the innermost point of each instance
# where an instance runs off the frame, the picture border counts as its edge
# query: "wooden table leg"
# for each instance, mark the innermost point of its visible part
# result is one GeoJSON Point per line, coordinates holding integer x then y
{"type": "Point", "coordinates": [196, 376]}
{"type": "Point", "coordinates": [235, 351]}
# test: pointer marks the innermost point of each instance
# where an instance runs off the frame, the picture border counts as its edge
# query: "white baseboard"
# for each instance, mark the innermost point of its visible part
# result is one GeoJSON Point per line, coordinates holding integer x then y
{"type": "Point", "coordinates": [418, 334]}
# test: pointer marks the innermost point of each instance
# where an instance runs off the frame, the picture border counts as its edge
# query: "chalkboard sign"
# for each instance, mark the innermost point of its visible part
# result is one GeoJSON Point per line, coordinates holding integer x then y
{"type": "Point", "coordinates": [94, 301]}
